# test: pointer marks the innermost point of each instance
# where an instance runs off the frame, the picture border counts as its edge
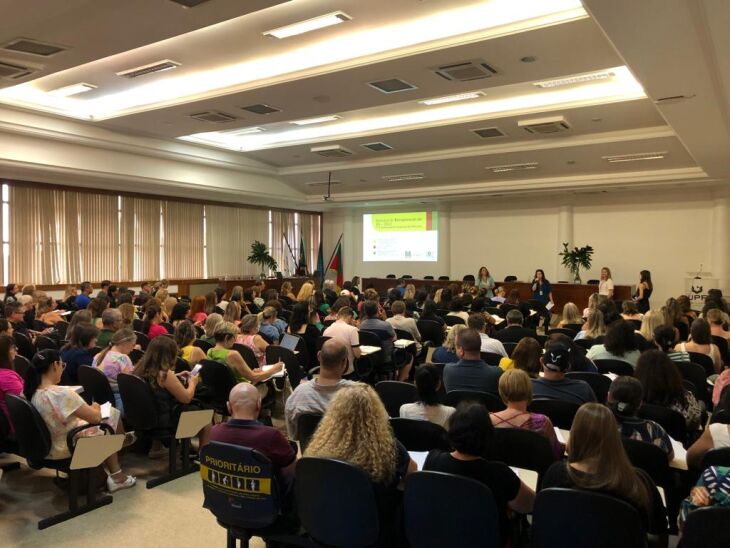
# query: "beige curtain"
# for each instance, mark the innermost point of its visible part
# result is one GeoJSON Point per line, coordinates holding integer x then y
{"type": "Point", "coordinates": [309, 224]}
{"type": "Point", "coordinates": [282, 222]}
{"type": "Point", "coordinates": [183, 238]}
{"type": "Point", "coordinates": [98, 230]}
{"type": "Point", "coordinates": [140, 260]}
{"type": "Point", "coordinates": [230, 231]}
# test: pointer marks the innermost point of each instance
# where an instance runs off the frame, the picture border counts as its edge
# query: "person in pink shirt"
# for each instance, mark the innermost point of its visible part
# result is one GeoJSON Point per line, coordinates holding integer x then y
{"type": "Point", "coordinates": [10, 381]}
{"type": "Point", "coordinates": [151, 325]}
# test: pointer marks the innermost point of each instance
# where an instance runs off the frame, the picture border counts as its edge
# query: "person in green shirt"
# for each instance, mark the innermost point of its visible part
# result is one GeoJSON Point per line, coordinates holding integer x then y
{"type": "Point", "coordinates": [111, 322]}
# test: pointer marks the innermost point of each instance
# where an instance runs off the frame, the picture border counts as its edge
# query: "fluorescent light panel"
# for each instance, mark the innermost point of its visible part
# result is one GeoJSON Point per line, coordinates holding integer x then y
{"type": "Point", "coordinates": [318, 120]}
{"type": "Point", "coordinates": [309, 25]}
{"type": "Point", "coordinates": [73, 89]}
{"type": "Point", "coordinates": [452, 98]}
{"type": "Point", "coordinates": [404, 177]}
{"type": "Point", "coordinates": [621, 158]}
{"type": "Point", "coordinates": [512, 167]}
{"type": "Point", "coordinates": [246, 131]}
{"type": "Point", "coordinates": [582, 79]}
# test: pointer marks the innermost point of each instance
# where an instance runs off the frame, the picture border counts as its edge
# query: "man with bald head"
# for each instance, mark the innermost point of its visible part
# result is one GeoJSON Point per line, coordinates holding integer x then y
{"type": "Point", "coordinates": [243, 428]}
{"type": "Point", "coordinates": [314, 397]}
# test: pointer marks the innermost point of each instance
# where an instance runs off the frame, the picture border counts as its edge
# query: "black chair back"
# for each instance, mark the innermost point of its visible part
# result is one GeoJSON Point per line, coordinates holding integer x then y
{"type": "Point", "coordinates": [696, 375]}
{"type": "Point", "coordinates": [23, 344]}
{"type": "Point", "coordinates": [135, 355]}
{"type": "Point", "coordinates": [428, 277]}
{"type": "Point", "coordinates": [561, 413]}
{"type": "Point", "coordinates": [716, 457]}
{"type": "Point", "coordinates": [562, 331]}
{"type": "Point", "coordinates": [21, 364]}
{"type": "Point", "coordinates": [491, 358]}
{"type": "Point", "coordinates": [491, 401]}
{"type": "Point", "coordinates": [706, 527]}
{"type": "Point", "coordinates": [509, 347]}
{"type": "Point", "coordinates": [336, 503]}
{"type": "Point", "coordinates": [321, 340]}
{"type": "Point", "coordinates": [454, 320]}
{"type": "Point", "coordinates": [168, 326]}
{"type": "Point", "coordinates": [45, 343]}
{"type": "Point", "coordinates": [704, 360]}
{"type": "Point", "coordinates": [307, 424]}
{"type": "Point", "coordinates": [140, 407]}
{"type": "Point", "coordinates": [431, 331]}
{"type": "Point", "coordinates": [247, 500]}
{"type": "Point", "coordinates": [585, 343]}
{"type": "Point", "coordinates": [401, 334]}
{"type": "Point", "coordinates": [394, 394]}
{"type": "Point", "coordinates": [617, 367]}
{"type": "Point", "coordinates": [580, 518]}
{"type": "Point", "coordinates": [523, 449]}
{"type": "Point", "coordinates": [390, 276]}
{"type": "Point", "coordinates": [142, 340]}
{"type": "Point", "coordinates": [203, 345]}
{"type": "Point", "coordinates": [275, 353]}
{"type": "Point", "coordinates": [219, 381]}
{"type": "Point", "coordinates": [598, 382]}
{"type": "Point", "coordinates": [510, 278]}
{"type": "Point", "coordinates": [722, 346]}
{"type": "Point", "coordinates": [247, 354]}
{"type": "Point", "coordinates": [443, 278]}
{"type": "Point", "coordinates": [137, 324]}
{"type": "Point", "coordinates": [418, 435]}
{"type": "Point", "coordinates": [432, 520]}
{"type": "Point", "coordinates": [650, 458]}
{"type": "Point", "coordinates": [96, 385]}
{"type": "Point", "coordinates": [672, 421]}
{"type": "Point", "coordinates": [31, 432]}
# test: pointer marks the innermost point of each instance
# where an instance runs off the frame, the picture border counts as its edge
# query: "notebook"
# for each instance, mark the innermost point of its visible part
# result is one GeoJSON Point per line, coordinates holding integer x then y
{"type": "Point", "coordinates": [289, 342]}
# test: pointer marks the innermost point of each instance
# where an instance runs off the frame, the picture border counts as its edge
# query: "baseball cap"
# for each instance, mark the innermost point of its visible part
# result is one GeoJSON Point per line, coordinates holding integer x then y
{"type": "Point", "coordinates": [557, 357]}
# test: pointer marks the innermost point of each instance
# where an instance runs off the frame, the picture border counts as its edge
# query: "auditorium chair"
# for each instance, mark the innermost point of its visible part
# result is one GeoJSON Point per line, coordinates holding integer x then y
{"type": "Point", "coordinates": [168, 326]}
{"type": "Point", "coordinates": [617, 367]}
{"type": "Point", "coordinates": [296, 374]}
{"type": "Point", "coordinates": [393, 394]}
{"type": "Point", "coordinates": [491, 358]}
{"type": "Point", "coordinates": [585, 343]}
{"type": "Point", "coordinates": [443, 278]}
{"type": "Point", "coordinates": [705, 361]}
{"type": "Point", "coordinates": [722, 346]}
{"type": "Point", "coordinates": [696, 375]}
{"type": "Point", "coordinates": [593, 282]}
{"type": "Point", "coordinates": [142, 340]}
{"type": "Point", "coordinates": [218, 381]}
{"type": "Point", "coordinates": [391, 276]}
{"type": "Point", "coordinates": [706, 527]}
{"type": "Point", "coordinates": [307, 423]}
{"type": "Point", "coordinates": [523, 448]}
{"type": "Point", "coordinates": [433, 520]}
{"type": "Point", "coordinates": [21, 364]}
{"type": "Point", "coordinates": [716, 457]}
{"type": "Point", "coordinates": [407, 277]}
{"type": "Point", "coordinates": [454, 320]}
{"type": "Point", "coordinates": [469, 278]}
{"type": "Point", "coordinates": [23, 345]}
{"type": "Point", "coordinates": [600, 384]}
{"type": "Point", "coordinates": [418, 435]}
{"type": "Point", "coordinates": [491, 401]}
{"type": "Point", "coordinates": [203, 345]}
{"type": "Point", "coordinates": [431, 331]}
{"type": "Point", "coordinates": [509, 347]}
{"type": "Point", "coordinates": [135, 355]}
{"type": "Point", "coordinates": [42, 342]}
{"type": "Point", "coordinates": [96, 386]}
{"type": "Point", "coordinates": [561, 413]}
{"type": "Point", "coordinates": [672, 421]}
{"type": "Point", "coordinates": [428, 277]}
{"type": "Point", "coordinates": [510, 278]}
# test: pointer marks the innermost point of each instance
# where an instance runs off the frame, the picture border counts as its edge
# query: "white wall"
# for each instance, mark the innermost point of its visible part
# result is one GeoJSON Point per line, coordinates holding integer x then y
{"type": "Point", "coordinates": [667, 232]}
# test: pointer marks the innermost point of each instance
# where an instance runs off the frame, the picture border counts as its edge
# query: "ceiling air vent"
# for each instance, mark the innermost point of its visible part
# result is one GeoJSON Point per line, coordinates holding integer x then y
{"type": "Point", "coordinates": [332, 151]}
{"type": "Point", "coordinates": [261, 109]}
{"type": "Point", "coordinates": [11, 71]}
{"type": "Point", "coordinates": [512, 167]}
{"type": "Point", "coordinates": [213, 117]}
{"type": "Point", "coordinates": [488, 132]}
{"type": "Point", "coordinates": [157, 66]}
{"type": "Point", "coordinates": [544, 126]}
{"type": "Point", "coordinates": [394, 85]}
{"type": "Point", "coordinates": [403, 177]}
{"type": "Point", "coordinates": [621, 158]}
{"type": "Point", "coordinates": [377, 147]}
{"type": "Point", "coordinates": [466, 71]}
{"type": "Point", "coordinates": [190, 3]}
{"type": "Point", "coordinates": [33, 47]}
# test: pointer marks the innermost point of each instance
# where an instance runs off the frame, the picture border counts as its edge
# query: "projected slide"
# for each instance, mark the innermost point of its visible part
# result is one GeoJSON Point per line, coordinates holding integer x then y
{"type": "Point", "coordinates": [400, 236]}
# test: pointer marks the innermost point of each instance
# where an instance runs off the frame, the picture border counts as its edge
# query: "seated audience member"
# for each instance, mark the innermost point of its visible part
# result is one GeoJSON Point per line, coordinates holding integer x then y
{"type": "Point", "coordinates": [129, 314]}
{"type": "Point", "coordinates": [664, 341]}
{"type": "Point", "coordinates": [685, 307]}
{"type": "Point", "coordinates": [515, 389]}
{"type": "Point", "coordinates": [571, 318]}
{"type": "Point", "coordinates": [676, 319]}
{"type": "Point", "coordinates": [598, 462]}
{"type": "Point", "coordinates": [371, 322]}
{"type": "Point", "coordinates": [180, 312]}
{"type": "Point", "coordinates": [513, 300]}
{"type": "Point", "coordinates": [499, 295]}
{"type": "Point", "coordinates": [624, 398]}
{"type": "Point", "coordinates": [211, 322]}
{"type": "Point", "coordinates": [712, 489]}
{"type": "Point", "coordinates": [6, 327]}
{"type": "Point", "coordinates": [330, 291]}
{"type": "Point", "coordinates": [78, 351]}
{"type": "Point", "coordinates": [46, 311]}
{"type": "Point", "coordinates": [470, 372]}
{"type": "Point", "coordinates": [305, 292]}
{"type": "Point", "coordinates": [344, 330]}
{"type": "Point", "coordinates": [111, 322]}
{"type": "Point", "coordinates": [232, 313]}
{"type": "Point", "coordinates": [114, 359]}
{"type": "Point", "coordinates": [267, 326]}
{"type": "Point", "coordinates": [211, 301]}
{"type": "Point", "coordinates": [701, 342]}
{"type": "Point", "coordinates": [63, 409]}
{"type": "Point", "coordinates": [399, 321]}
{"type": "Point", "coordinates": [715, 436]}
{"type": "Point", "coordinates": [97, 306]}
{"type": "Point", "coordinates": [479, 324]}
{"type": "Point", "coordinates": [629, 311]}
{"type": "Point", "coordinates": [554, 385]}
{"type": "Point", "coordinates": [429, 313]}
{"type": "Point", "coordinates": [82, 299]}
{"type": "Point", "coordinates": [514, 332]}
{"type": "Point", "coordinates": [10, 381]}
{"type": "Point", "coordinates": [184, 337]}
{"type": "Point", "coordinates": [243, 428]}
{"type": "Point", "coordinates": [301, 324]}
{"type": "Point", "coordinates": [619, 344]}
{"type": "Point", "coordinates": [593, 301]}
{"type": "Point", "coordinates": [197, 310]}
{"type": "Point", "coordinates": [81, 317]}
{"type": "Point", "coordinates": [248, 334]}
{"type": "Point", "coordinates": [661, 384]}
{"type": "Point", "coordinates": [276, 304]}
{"type": "Point", "coordinates": [315, 396]}
{"type": "Point", "coordinates": [157, 369]}
{"type": "Point", "coordinates": [471, 436]}
{"type": "Point", "coordinates": [427, 406]}
{"type": "Point", "coordinates": [447, 352]}
{"type": "Point", "coordinates": [151, 323]}
{"type": "Point", "coordinates": [718, 321]}
{"type": "Point", "coordinates": [594, 326]}
{"type": "Point", "coordinates": [610, 312]}
{"type": "Point", "coordinates": [525, 356]}
{"type": "Point", "coordinates": [225, 337]}
{"type": "Point", "coordinates": [456, 308]}
{"type": "Point", "coordinates": [372, 296]}
{"type": "Point", "coordinates": [11, 289]}
{"type": "Point", "coordinates": [168, 307]}
{"type": "Point", "coordinates": [578, 360]}
{"type": "Point", "coordinates": [14, 314]}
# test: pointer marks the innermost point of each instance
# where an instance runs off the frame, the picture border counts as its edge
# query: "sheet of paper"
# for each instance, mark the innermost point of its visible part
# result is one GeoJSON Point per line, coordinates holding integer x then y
{"type": "Point", "coordinates": [403, 343]}
{"type": "Point", "coordinates": [419, 457]}
{"type": "Point", "coordinates": [365, 349]}
{"type": "Point", "coordinates": [612, 376]}
{"type": "Point", "coordinates": [559, 435]}
{"type": "Point", "coordinates": [275, 375]}
{"type": "Point", "coordinates": [78, 389]}
{"type": "Point", "coordinates": [680, 456]}
{"type": "Point", "coordinates": [106, 410]}
{"type": "Point", "coordinates": [549, 306]}
{"type": "Point", "coordinates": [533, 312]}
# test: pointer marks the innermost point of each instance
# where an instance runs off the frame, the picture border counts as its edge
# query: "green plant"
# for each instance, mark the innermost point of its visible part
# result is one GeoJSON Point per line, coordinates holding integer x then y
{"type": "Point", "coordinates": [260, 256]}
{"type": "Point", "coordinates": [576, 258]}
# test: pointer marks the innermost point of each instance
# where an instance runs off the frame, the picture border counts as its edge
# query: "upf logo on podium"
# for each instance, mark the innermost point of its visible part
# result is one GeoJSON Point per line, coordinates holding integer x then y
{"type": "Point", "coordinates": [697, 286]}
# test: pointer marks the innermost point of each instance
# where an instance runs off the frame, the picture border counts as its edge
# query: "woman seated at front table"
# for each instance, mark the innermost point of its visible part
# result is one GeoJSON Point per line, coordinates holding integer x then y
{"type": "Point", "coordinates": [619, 344]}
{"type": "Point", "coordinates": [184, 337]}
{"type": "Point", "coordinates": [525, 356]}
{"type": "Point", "coordinates": [427, 406]}
{"type": "Point", "coordinates": [701, 342]}
{"type": "Point", "coordinates": [225, 337]}
{"type": "Point", "coordinates": [594, 326]}
{"type": "Point", "coordinates": [571, 317]}
{"type": "Point", "coordinates": [598, 462]}
{"type": "Point", "coordinates": [515, 389]}
{"type": "Point", "coordinates": [471, 435]}
{"type": "Point", "coordinates": [114, 359]}
{"type": "Point", "coordinates": [63, 409]}
{"type": "Point", "coordinates": [447, 352]}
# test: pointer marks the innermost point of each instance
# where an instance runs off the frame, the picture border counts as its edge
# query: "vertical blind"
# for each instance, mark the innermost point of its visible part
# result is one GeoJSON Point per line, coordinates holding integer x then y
{"type": "Point", "coordinates": [64, 237]}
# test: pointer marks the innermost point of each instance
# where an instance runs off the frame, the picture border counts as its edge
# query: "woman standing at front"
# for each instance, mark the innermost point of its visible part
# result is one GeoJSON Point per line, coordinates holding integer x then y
{"type": "Point", "coordinates": [542, 291]}
{"type": "Point", "coordinates": [485, 280]}
{"type": "Point", "coordinates": [605, 285]}
{"type": "Point", "coordinates": [643, 291]}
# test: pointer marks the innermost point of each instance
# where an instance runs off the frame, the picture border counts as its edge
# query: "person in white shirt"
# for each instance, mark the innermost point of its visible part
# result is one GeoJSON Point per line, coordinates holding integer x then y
{"type": "Point", "coordinates": [477, 322]}
{"type": "Point", "coordinates": [605, 285]}
{"type": "Point", "coordinates": [399, 321]}
{"type": "Point", "coordinates": [343, 330]}
{"type": "Point", "coordinates": [499, 295]}
{"type": "Point", "coordinates": [427, 407]}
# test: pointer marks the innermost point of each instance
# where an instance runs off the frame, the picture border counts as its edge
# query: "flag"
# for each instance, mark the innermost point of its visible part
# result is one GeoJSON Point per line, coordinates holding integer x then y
{"type": "Point", "coordinates": [320, 262]}
{"type": "Point", "coordinates": [334, 268]}
{"type": "Point", "coordinates": [302, 255]}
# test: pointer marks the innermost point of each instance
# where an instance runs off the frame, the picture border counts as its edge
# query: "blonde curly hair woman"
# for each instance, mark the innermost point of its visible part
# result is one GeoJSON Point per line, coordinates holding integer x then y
{"type": "Point", "coordinates": [355, 429]}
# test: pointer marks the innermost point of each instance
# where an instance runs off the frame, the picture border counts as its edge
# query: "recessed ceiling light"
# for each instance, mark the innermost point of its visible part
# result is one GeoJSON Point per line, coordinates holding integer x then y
{"type": "Point", "coordinates": [547, 84]}
{"type": "Point", "coordinates": [403, 177]}
{"type": "Point", "coordinates": [512, 167]}
{"type": "Point", "coordinates": [73, 89]}
{"type": "Point", "coordinates": [319, 120]}
{"type": "Point", "coordinates": [245, 131]}
{"type": "Point", "coordinates": [452, 98]}
{"type": "Point", "coordinates": [638, 157]}
{"type": "Point", "coordinates": [309, 25]}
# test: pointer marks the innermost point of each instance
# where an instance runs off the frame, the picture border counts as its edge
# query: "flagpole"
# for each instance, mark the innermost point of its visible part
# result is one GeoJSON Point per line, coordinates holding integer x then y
{"type": "Point", "coordinates": [331, 257]}
{"type": "Point", "coordinates": [304, 252]}
{"type": "Point", "coordinates": [290, 249]}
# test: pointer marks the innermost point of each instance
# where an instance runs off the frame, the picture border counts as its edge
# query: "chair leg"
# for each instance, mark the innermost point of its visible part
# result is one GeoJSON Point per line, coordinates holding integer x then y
{"type": "Point", "coordinates": [73, 504]}
{"type": "Point", "coordinates": [173, 472]}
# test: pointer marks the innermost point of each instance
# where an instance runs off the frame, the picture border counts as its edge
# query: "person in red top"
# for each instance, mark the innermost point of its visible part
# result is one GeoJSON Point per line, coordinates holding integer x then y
{"type": "Point", "coordinates": [151, 325]}
{"type": "Point", "coordinates": [10, 381]}
{"type": "Point", "coordinates": [243, 428]}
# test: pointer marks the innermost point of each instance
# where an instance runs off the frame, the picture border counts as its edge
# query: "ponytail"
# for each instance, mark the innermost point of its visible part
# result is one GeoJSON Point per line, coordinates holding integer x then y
{"type": "Point", "coordinates": [40, 365]}
{"type": "Point", "coordinates": [119, 337]}
{"type": "Point", "coordinates": [149, 315]}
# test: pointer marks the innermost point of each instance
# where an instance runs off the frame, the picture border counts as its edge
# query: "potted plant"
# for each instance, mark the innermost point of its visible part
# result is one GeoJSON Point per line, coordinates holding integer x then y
{"type": "Point", "coordinates": [575, 259]}
{"type": "Point", "coordinates": [260, 256]}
